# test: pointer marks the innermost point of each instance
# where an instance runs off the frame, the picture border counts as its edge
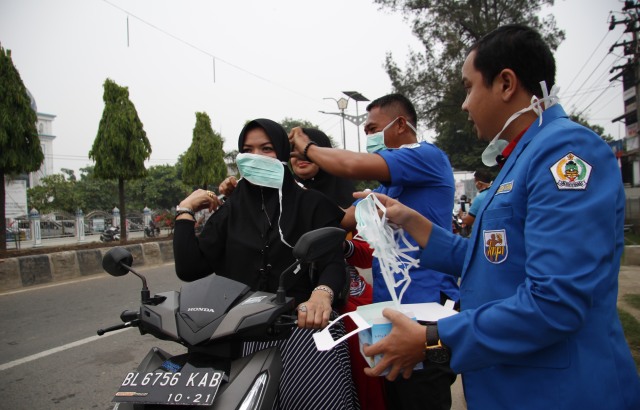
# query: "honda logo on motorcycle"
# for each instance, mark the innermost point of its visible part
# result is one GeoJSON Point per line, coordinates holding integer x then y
{"type": "Point", "coordinates": [201, 309]}
{"type": "Point", "coordinates": [495, 245]}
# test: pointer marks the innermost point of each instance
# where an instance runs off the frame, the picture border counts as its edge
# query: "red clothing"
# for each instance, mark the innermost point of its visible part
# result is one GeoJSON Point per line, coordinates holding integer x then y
{"type": "Point", "coordinates": [359, 254]}
{"type": "Point", "coordinates": [370, 390]}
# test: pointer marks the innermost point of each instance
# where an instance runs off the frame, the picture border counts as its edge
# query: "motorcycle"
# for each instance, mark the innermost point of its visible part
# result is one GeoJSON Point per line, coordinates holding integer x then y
{"type": "Point", "coordinates": [110, 234]}
{"type": "Point", "coordinates": [458, 226]}
{"type": "Point", "coordinates": [212, 317]}
{"type": "Point", "coordinates": [151, 231]}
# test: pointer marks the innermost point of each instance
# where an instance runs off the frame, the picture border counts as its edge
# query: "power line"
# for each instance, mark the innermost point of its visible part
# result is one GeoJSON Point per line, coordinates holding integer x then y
{"type": "Point", "coordinates": [200, 50]}
{"type": "Point", "coordinates": [598, 66]}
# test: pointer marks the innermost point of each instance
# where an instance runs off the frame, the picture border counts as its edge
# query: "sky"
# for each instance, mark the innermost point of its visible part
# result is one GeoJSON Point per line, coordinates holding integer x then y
{"type": "Point", "coordinates": [244, 59]}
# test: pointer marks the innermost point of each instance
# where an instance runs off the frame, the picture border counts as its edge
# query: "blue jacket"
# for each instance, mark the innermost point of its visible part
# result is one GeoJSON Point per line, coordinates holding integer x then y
{"type": "Point", "coordinates": [538, 327]}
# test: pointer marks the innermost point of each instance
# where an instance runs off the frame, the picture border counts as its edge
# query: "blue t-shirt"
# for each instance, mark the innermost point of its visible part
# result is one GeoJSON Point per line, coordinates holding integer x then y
{"type": "Point", "coordinates": [422, 179]}
{"type": "Point", "coordinates": [477, 201]}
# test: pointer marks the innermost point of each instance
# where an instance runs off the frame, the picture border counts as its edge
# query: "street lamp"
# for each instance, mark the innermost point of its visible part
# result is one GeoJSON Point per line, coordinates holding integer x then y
{"type": "Point", "coordinates": [342, 105]}
{"type": "Point", "coordinates": [357, 120]}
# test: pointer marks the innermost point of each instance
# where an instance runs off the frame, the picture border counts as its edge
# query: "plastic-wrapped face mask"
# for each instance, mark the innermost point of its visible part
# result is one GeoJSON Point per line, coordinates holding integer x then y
{"type": "Point", "coordinates": [261, 170]}
{"type": "Point", "coordinates": [389, 245]}
{"type": "Point", "coordinates": [496, 146]}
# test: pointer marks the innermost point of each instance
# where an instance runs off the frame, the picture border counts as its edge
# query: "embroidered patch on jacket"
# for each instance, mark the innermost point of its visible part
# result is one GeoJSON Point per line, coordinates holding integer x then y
{"type": "Point", "coordinates": [504, 188]}
{"type": "Point", "coordinates": [495, 245]}
{"type": "Point", "coordinates": [571, 172]}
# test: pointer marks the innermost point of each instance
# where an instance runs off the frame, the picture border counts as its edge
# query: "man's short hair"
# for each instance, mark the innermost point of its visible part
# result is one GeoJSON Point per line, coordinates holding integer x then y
{"type": "Point", "coordinates": [482, 175]}
{"type": "Point", "coordinates": [397, 102]}
{"type": "Point", "coordinates": [519, 48]}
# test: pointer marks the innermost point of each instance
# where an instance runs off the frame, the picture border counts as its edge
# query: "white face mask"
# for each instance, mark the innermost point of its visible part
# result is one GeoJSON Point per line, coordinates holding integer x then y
{"type": "Point", "coordinates": [496, 146]}
{"type": "Point", "coordinates": [389, 245]}
{"type": "Point", "coordinates": [261, 170]}
{"type": "Point", "coordinates": [264, 171]}
{"type": "Point", "coordinates": [375, 142]}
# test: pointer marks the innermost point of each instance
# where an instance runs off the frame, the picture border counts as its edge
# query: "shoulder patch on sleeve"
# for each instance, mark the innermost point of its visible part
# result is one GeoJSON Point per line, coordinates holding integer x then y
{"type": "Point", "coordinates": [571, 172]}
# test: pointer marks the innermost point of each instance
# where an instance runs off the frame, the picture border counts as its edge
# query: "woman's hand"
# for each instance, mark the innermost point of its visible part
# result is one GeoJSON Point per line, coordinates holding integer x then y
{"type": "Point", "coordinates": [201, 199]}
{"type": "Point", "coordinates": [315, 312]}
{"type": "Point", "coordinates": [227, 186]}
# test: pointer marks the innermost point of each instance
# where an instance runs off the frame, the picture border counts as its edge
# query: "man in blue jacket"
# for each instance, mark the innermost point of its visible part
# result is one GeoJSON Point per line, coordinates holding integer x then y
{"type": "Point", "coordinates": [538, 327]}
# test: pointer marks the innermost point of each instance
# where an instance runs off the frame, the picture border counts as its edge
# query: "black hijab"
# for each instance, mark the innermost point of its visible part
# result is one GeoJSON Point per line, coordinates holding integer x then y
{"type": "Point", "coordinates": [241, 239]}
{"type": "Point", "coordinates": [338, 189]}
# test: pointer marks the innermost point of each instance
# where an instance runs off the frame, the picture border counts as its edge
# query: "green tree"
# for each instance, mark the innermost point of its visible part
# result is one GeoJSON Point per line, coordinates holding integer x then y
{"type": "Point", "coordinates": [121, 146]}
{"type": "Point", "coordinates": [431, 78]}
{"type": "Point", "coordinates": [289, 123]}
{"type": "Point", "coordinates": [20, 149]}
{"type": "Point", "coordinates": [203, 163]}
{"type": "Point", "coordinates": [595, 128]}
{"type": "Point", "coordinates": [230, 160]}
{"type": "Point", "coordinates": [96, 193]}
{"type": "Point", "coordinates": [55, 192]}
{"type": "Point", "coordinates": [160, 189]}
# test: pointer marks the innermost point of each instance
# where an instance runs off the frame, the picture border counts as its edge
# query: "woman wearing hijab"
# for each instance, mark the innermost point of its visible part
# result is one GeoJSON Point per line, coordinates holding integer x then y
{"type": "Point", "coordinates": [358, 253]}
{"type": "Point", "coordinates": [249, 239]}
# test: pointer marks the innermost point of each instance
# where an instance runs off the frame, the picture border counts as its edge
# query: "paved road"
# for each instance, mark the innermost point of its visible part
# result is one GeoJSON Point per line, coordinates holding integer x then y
{"type": "Point", "coordinates": [50, 357]}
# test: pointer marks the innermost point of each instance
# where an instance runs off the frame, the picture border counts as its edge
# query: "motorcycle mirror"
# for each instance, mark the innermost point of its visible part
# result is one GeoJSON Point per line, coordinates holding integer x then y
{"type": "Point", "coordinates": [318, 244]}
{"type": "Point", "coordinates": [117, 261]}
{"type": "Point", "coordinates": [313, 246]}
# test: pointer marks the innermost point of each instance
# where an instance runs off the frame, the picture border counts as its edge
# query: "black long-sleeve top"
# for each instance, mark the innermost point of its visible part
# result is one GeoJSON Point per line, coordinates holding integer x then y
{"type": "Point", "coordinates": [241, 240]}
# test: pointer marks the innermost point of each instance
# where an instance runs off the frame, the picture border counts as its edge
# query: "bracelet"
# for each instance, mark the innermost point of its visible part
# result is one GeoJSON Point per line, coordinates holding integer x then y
{"type": "Point", "coordinates": [324, 289]}
{"type": "Point", "coordinates": [306, 148]}
{"type": "Point", "coordinates": [184, 211]}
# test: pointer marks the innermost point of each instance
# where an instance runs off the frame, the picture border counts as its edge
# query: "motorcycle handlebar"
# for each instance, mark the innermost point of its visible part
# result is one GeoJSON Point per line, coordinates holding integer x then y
{"type": "Point", "coordinates": [118, 327]}
{"type": "Point", "coordinates": [129, 317]}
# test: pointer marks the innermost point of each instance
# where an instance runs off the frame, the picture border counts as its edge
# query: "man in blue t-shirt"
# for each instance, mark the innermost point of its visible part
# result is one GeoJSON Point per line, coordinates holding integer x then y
{"type": "Point", "coordinates": [482, 179]}
{"type": "Point", "coordinates": [419, 175]}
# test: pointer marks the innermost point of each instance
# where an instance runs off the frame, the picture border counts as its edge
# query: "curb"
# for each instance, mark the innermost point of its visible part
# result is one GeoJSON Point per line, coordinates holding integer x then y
{"type": "Point", "coordinates": [26, 271]}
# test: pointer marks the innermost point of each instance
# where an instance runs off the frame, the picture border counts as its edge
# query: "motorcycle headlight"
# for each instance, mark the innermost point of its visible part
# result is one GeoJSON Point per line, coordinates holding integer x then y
{"type": "Point", "coordinates": [253, 399]}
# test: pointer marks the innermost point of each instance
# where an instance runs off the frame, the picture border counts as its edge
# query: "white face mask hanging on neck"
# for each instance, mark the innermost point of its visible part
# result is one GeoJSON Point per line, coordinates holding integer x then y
{"type": "Point", "coordinates": [496, 146]}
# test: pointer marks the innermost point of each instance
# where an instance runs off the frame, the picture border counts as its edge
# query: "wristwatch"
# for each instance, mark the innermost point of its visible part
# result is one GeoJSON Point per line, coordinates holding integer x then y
{"type": "Point", "coordinates": [183, 210]}
{"type": "Point", "coordinates": [434, 350]}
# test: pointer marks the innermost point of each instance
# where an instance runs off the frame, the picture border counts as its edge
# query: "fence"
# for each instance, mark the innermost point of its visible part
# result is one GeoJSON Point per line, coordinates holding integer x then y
{"type": "Point", "coordinates": [60, 224]}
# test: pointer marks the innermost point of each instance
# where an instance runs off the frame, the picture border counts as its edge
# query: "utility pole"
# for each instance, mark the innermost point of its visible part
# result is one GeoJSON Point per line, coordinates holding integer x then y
{"type": "Point", "coordinates": [630, 73]}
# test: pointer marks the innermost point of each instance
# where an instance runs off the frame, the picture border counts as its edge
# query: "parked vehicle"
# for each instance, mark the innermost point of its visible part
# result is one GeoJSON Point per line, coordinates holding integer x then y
{"type": "Point", "coordinates": [110, 234]}
{"type": "Point", "coordinates": [151, 231]}
{"type": "Point", "coordinates": [458, 226]}
{"type": "Point", "coordinates": [212, 317]}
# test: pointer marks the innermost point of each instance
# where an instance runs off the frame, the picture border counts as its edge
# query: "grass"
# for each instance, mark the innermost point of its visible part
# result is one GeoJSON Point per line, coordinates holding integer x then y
{"type": "Point", "coordinates": [631, 327]}
{"type": "Point", "coordinates": [631, 238]}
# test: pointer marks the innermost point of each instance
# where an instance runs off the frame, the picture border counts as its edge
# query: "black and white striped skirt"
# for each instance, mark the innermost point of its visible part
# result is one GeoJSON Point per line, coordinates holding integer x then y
{"type": "Point", "coordinates": [311, 379]}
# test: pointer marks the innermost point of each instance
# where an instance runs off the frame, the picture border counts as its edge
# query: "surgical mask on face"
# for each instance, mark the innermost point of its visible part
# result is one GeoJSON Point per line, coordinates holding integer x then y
{"type": "Point", "coordinates": [375, 142]}
{"type": "Point", "coordinates": [496, 146]}
{"type": "Point", "coordinates": [264, 171]}
{"type": "Point", "coordinates": [261, 170]}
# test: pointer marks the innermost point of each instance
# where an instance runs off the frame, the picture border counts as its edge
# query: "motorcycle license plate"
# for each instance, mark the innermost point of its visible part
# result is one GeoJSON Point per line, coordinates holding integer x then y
{"type": "Point", "coordinates": [197, 388]}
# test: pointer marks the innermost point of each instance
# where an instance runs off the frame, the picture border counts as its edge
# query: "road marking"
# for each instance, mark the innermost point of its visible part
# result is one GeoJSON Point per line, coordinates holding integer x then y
{"type": "Point", "coordinates": [58, 349]}
{"type": "Point", "coordinates": [53, 285]}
